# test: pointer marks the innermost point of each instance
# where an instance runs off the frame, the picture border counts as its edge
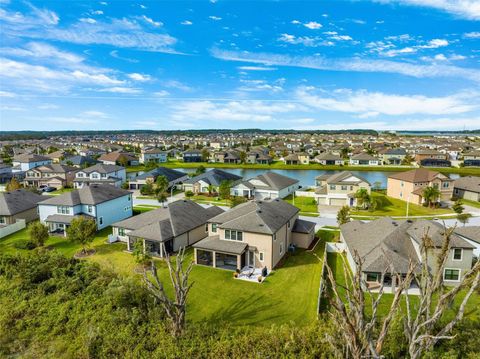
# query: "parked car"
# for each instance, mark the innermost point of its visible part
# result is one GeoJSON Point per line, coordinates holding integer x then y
{"type": "Point", "coordinates": [48, 189]}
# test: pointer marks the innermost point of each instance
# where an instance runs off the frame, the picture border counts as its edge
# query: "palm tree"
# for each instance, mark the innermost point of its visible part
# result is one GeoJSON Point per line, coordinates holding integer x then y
{"type": "Point", "coordinates": [363, 198]}
{"type": "Point", "coordinates": [431, 195]}
{"type": "Point", "coordinates": [210, 189]}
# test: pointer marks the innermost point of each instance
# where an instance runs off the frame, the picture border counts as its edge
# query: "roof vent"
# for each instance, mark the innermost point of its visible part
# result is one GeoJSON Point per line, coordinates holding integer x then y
{"type": "Point", "coordinates": [259, 211]}
{"type": "Point", "coordinates": [409, 221]}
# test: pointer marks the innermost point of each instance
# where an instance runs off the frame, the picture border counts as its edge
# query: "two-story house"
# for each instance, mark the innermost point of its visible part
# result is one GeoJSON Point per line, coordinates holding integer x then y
{"type": "Point", "coordinates": [100, 174]}
{"type": "Point", "coordinates": [408, 186]}
{"type": "Point", "coordinates": [254, 234]}
{"type": "Point", "coordinates": [53, 175]}
{"type": "Point", "coordinates": [387, 244]}
{"type": "Point", "coordinates": [153, 155]}
{"type": "Point", "coordinates": [173, 177]}
{"type": "Point", "coordinates": [103, 203]}
{"type": "Point", "coordinates": [364, 159]}
{"type": "Point", "coordinates": [297, 159]}
{"type": "Point", "coordinates": [432, 158]}
{"type": "Point", "coordinates": [394, 156]}
{"type": "Point", "coordinates": [471, 159]}
{"type": "Point", "coordinates": [267, 185]}
{"type": "Point", "coordinates": [339, 189]}
{"type": "Point", "coordinates": [24, 162]}
{"type": "Point", "coordinates": [181, 224]}
{"type": "Point", "coordinates": [118, 158]}
{"type": "Point", "coordinates": [192, 156]}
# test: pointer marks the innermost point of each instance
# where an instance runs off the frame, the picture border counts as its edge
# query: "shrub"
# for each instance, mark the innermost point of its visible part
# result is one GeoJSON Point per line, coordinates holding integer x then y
{"type": "Point", "coordinates": [25, 244]}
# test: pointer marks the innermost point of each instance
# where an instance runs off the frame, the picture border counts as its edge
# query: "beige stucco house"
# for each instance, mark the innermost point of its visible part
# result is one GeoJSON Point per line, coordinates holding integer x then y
{"type": "Point", "coordinates": [409, 185]}
{"type": "Point", "coordinates": [255, 234]}
{"type": "Point", "coordinates": [339, 189]}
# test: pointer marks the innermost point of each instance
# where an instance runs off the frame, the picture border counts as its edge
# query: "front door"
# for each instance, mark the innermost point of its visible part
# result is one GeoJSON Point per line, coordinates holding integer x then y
{"type": "Point", "coordinates": [251, 259]}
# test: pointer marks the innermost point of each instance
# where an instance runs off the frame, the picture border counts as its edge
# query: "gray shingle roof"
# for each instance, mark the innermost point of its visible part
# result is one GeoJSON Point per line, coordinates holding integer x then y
{"type": "Point", "coordinates": [62, 218]}
{"type": "Point", "coordinates": [470, 232]}
{"type": "Point", "coordinates": [213, 243]}
{"type": "Point", "coordinates": [364, 157]}
{"type": "Point", "coordinates": [93, 194]}
{"type": "Point", "coordinates": [101, 168]}
{"type": "Point", "coordinates": [274, 181]}
{"type": "Point", "coordinates": [258, 216]}
{"type": "Point", "coordinates": [30, 157]}
{"type": "Point", "coordinates": [436, 233]}
{"type": "Point", "coordinates": [303, 226]}
{"type": "Point", "coordinates": [214, 177]}
{"type": "Point", "coordinates": [165, 223]}
{"type": "Point", "coordinates": [169, 173]}
{"type": "Point", "coordinates": [18, 201]}
{"type": "Point", "coordinates": [342, 176]}
{"type": "Point", "coordinates": [468, 183]}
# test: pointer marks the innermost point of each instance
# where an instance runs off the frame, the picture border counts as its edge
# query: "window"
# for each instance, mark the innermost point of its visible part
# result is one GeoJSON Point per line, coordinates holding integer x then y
{"type": "Point", "coordinates": [261, 255]}
{"type": "Point", "coordinates": [94, 175]}
{"type": "Point", "coordinates": [457, 254]}
{"type": "Point", "coordinates": [2, 220]}
{"type": "Point", "coordinates": [206, 227]}
{"type": "Point", "coordinates": [288, 224]}
{"type": "Point", "coordinates": [63, 210]}
{"type": "Point", "coordinates": [451, 274]}
{"type": "Point", "coordinates": [90, 208]}
{"type": "Point", "coordinates": [233, 235]}
{"type": "Point", "coordinates": [344, 188]}
{"type": "Point", "coordinates": [402, 184]}
{"type": "Point", "coordinates": [274, 236]}
{"type": "Point", "coordinates": [121, 232]}
{"type": "Point", "coordinates": [445, 184]}
{"type": "Point", "coordinates": [332, 186]}
{"type": "Point", "coordinates": [281, 248]}
{"type": "Point", "coordinates": [372, 277]}
{"type": "Point", "coordinates": [214, 227]}
{"type": "Point", "coordinates": [100, 220]}
{"type": "Point", "coordinates": [129, 197]}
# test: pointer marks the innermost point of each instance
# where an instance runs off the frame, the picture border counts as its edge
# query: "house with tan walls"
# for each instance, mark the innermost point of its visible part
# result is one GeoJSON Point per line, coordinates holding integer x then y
{"type": "Point", "coordinates": [181, 224]}
{"type": "Point", "coordinates": [339, 189]}
{"type": "Point", "coordinates": [409, 185]}
{"type": "Point", "coordinates": [255, 234]}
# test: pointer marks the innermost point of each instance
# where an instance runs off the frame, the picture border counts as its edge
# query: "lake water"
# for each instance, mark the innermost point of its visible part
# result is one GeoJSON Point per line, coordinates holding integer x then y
{"type": "Point", "coordinates": [305, 177]}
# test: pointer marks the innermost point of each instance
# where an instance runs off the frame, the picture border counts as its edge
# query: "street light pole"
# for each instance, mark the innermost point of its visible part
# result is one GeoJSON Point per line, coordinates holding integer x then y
{"type": "Point", "coordinates": [408, 202]}
{"type": "Point", "coordinates": [171, 193]}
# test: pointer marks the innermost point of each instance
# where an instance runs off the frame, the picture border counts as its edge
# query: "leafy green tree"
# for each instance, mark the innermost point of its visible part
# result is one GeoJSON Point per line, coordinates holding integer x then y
{"type": "Point", "coordinates": [147, 189]}
{"type": "Point", "coordinates": [82, 230]}
{"type": "Point", "coordinates": [364, 199]}
{"type": "Point", "coordinates": [407, 160]}
{"type": "Point", "coordinates": [125, 185]}
{"type": "Point", "coordinates": [161, 184]}
{"type": "Point", "coordinates": [236, 200]}
{"type": "Point", "coordinates": [200, 169]}
{"type": "Point", "coordinates": [205, 155]}
{"type": "Point", "coordinates": [123, 161]}
{"type": "Point", "coordinates": [210, 189]}
{"type": "Point", "coordinates": [38, 233]}
{"type": "Point", "coordinates": [189, 194]}
{"type": "Point", "coordinates": [464, 218]}
{"type": "Point", "coordinates": [161, 197]}
{"type": "Point", "coordinates": [431, 195]}
{"type": "Point", "coordinates": [458, 207]}
{"type": "Point", "coordinates": [141, 256]}
{"type": "Point", "coordinates": [13, 185]}
{"type": "Point", "coordinates": [343, 215]}
{"type": "Point", "coordinates": [344, 152]}
{"type": "Point", "coordinates": [224, 189]}
{"type": "Point", "coordinates": [243, 157]}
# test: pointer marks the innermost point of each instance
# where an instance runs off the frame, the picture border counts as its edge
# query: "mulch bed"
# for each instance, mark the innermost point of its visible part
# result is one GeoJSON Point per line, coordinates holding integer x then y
{"type": "Point", "coordinates": [88, 253]}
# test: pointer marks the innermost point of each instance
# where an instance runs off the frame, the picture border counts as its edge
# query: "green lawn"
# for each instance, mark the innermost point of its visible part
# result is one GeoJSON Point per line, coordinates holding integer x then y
{"type": "Point", "coordinates": [388, 206]}
{"type": "Point", "coordinates": [200, 198]}
{"type": "Point", "coordinates": [307, 205]}
{"type": "Point", "coordinates": [313, 166]}
{"type": "Point", "coordinates": [471, 203]}
{"type": "Point", "coordinates": [289, 294]}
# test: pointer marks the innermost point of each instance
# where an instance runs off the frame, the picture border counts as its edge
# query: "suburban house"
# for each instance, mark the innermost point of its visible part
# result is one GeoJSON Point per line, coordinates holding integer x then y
{"type": "Point", "coordinates": [408, 186]}
{"type": "Point", "coordinates": [339, 189]}
{"type": "Point", "coordinates": [329, 159]}
{"type": "Point", "coordinates": [181, 224]}
{"type": "Point", "coordinates": [259, 157]}
{"type": "Point", "coordinates": [54, 175]}
{"type": "Point", "coordinates": [153, 155]}
{"type": "Point", "coordinates": [118, 158]}
{"type": "Point", "coordinates": [432, 158]}
{"type": "Point", "coordinates": [104, 203]}
{"type": "Point", "coordinates": [192, 156]}
{"type": "Point", "coordinates": [297, 159]}
{"type": "Point", "coordinates": [387, 244]}
{"type": "Point", "coordinates": [213, 177]}
{"type": "Point", "coordinates": [267, 185]}
{"type": "Point", "coordinates": [232, 156]}
{"type": "Point", "coordinates": [18, 204]}
{"type": "Point", "coordinates": [173, 177]}
{"type": "Point", "coordinates": [472, 235]}
{"type": "Point", "coordinates": [24, 162]}
{"type": "Point", "coordinates": [364, 159]}
{"type": "Point", "coordinates": [467, 188]}
{"type": "Point", "coordinates": [56, 156]}
{"type": "Point", "coordinates": [100, 174]}
{"type": "Point", "coordinates": [394, 156]}
{"type": "Point", "coordinates": [79, 161]}
{"type": "Point", "coordinates": [254, 234]}
{"type": "Point", "coordinates": [471, 159]}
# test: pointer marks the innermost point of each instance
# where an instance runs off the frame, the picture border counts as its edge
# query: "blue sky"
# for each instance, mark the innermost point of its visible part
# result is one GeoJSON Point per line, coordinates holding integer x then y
{"type": "Point", "coordinates": [385, 64]}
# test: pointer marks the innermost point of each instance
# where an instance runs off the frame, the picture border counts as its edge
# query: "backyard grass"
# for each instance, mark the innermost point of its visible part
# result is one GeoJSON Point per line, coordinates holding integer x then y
{"type": "Point", "coordinates": [388, 206]}
{"type": "Point", "coordinates": [314, 166]}
{"type": "Point", "coordinates": [471, 203]}
{"type": "Point", "coordinates": [307, 205]}
{"type": "Point", "coordinates": [289, 294]}
{"type": "Point", "coordinates": [200, 198]}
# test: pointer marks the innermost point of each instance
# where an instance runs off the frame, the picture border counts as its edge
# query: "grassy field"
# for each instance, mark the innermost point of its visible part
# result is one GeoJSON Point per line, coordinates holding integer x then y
{"type": "Point", "coordinates": [388, 206]}
{"type": "Point", "coordinates": [289, 294]}
{"type": "Point", "coordinates": [313, 166]}
{"type": "Point", "coordinates": [307, 205]}
{"type": "Point", "coordinates": [471, 203]}
{"type": "Point", "coordinates": [200, 198]}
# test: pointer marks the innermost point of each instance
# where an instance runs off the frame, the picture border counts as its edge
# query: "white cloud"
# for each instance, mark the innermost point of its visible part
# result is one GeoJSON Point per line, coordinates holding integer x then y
{"type": "Point", "coordinates": [261, 85]}
{"type": "Point", "coordinates": [177, 85]}
{"type": "Point", "coordinates": [469, 9]}
{"type": "Point", "coordinates": [151, 21]}
{"type": "Point", "coordinates": [161, 93]}
{"type": "Point", "coordinates": [256, 68]}
{"type": "Point", "coordinates": [97, 12]}
{"type": "Point", "coordinates": [42, 50]}
{"type": "Point", "coordinates": [186, 22]}
{"type": "Point", "coordinates": [313, 25]}
{"type": "Point", "coordinates": [100, 79]}
{"type": "Point", "coordinates": [472, 35]}
{"type": "Point", "coordinates": [48, 106]}
{"type": "Point", "coordinates": [95, 113]}
{"type": "Point", "coordinates": [301, 40]}
{"type": "Point", "coordinates": [122, 90]}
{"type": "Point", "coordinates": [88, 20]}
{"type": "Point", "coordinates": [350, 64]}
{"type": "Point", "coordinates": [296, 22]}
{"type": "Point", "coordinates": [215, 18]}
{"type": "Point", "coordinates": [139, 77]}
{"type": "Point", "coordinates": [114, 53]}
{"type": "Point", "coordinates": [370, 104]}
{"type": "Point", "coordinates": [7, 94]}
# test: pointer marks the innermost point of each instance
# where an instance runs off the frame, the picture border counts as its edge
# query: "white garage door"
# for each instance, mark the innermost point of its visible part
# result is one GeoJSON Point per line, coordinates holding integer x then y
{"type": "Point", "coordinates": [337, 202]}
